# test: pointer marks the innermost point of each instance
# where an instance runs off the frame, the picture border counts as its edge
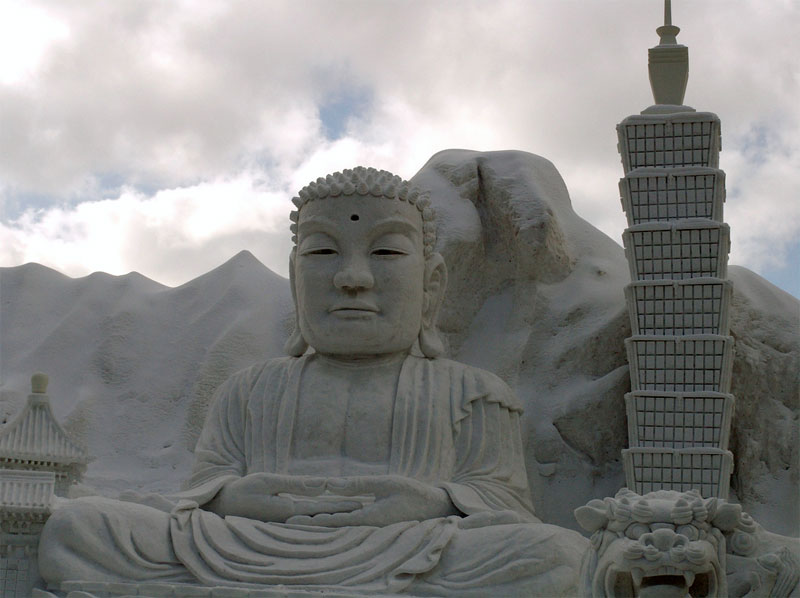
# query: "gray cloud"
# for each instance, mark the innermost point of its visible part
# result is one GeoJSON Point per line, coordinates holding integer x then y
{"type": "Point", "coordinates": [152, 95]}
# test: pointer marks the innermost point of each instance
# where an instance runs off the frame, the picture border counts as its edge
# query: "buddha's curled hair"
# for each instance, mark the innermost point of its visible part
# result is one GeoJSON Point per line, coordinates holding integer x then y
{"type": "Point", "coordinates": [366, 181]}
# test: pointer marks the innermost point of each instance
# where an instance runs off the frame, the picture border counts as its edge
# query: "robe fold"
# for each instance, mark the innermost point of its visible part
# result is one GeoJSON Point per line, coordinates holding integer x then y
{"type": "Point", "coordinates": [453, 426]}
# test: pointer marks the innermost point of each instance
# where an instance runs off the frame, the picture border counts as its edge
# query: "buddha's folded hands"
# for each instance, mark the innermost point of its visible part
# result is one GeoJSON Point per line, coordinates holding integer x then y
{"type": "Point", "coordinates": [397, 498]}
{"type": "Point", "coordinates": [276, 497]}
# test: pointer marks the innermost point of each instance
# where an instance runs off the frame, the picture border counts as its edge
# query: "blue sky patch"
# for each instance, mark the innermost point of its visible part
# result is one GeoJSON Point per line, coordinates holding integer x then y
{"type": "Point", "coordinates": [342, 105]}
{"type": "Point", "coordinates": [106, 186]}
{"type": "Point", "coordinates": [788, 276]}
{"type": "Point", "coordinates": [756, 144]}
{"type": "Point", "coordinates": [15, 203]}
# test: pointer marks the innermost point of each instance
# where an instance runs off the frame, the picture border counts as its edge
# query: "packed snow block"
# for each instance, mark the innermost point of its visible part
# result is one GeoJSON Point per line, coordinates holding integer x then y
{"type": "Point", "coordinates": [677, 307]}
{"type": "Point", "coordinates": [677, 250]}
{"type": "Point", "coordinates": [707, 470]}
{"type": "Point", "coordinates": [669, 140]}
{"type": "Point", "coordinates": [678, 419]}
{"type": "Point", "coordinates": [656, 195]}
{"type": "Point", "coordinates": [680, 363]}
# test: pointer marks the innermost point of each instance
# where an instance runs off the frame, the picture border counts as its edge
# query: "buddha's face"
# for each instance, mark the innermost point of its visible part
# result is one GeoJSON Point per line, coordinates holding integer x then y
{"type": "Point", "coordinates": [359, 275]}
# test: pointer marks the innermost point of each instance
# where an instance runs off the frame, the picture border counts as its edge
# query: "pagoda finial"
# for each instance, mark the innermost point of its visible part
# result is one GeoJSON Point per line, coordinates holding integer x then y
{"type": "Point", "coordinates": [668, 63]}
{"type": "Point", "coordinates": [668, 32]}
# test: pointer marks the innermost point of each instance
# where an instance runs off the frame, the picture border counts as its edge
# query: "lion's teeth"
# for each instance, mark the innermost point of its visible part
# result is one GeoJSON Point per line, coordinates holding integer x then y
{"type": "Point", "coordinates": [689, 577]}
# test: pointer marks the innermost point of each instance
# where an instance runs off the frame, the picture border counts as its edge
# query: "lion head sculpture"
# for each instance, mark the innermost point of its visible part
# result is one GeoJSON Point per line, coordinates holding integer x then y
{"type": "Point", "coordinates": [665, 544]}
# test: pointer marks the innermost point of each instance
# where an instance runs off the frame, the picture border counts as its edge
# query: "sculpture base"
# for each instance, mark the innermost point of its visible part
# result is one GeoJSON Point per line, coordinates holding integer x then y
{"type": "Point", "coordinates": [76, 589]}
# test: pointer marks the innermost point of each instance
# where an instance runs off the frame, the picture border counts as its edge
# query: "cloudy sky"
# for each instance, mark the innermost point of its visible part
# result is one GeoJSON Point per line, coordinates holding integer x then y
{"type": "Point", "coordinates": [164, 137]}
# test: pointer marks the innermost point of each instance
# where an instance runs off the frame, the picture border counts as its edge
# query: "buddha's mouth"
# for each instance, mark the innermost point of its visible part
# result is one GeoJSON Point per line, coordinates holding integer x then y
{"type": "Point", "coordinates": [354, 310]}
{"type": "Point", "coordinates": [353, 314]}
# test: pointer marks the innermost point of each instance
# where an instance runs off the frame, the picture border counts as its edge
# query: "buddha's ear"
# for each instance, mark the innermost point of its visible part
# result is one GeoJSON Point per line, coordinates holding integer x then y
{"type": "Point", "coordinates": [295, 345]}
{"type": "Point", "coordinates": [430, 343]}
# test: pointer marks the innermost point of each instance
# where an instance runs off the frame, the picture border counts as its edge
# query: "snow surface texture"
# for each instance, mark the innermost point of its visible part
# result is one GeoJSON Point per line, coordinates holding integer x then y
{"type": "Point", "coordinates": [535, 295]}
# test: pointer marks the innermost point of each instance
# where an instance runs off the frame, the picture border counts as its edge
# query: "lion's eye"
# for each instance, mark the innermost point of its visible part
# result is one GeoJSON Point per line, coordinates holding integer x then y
{"type": "Point", "coordinates": [689, 531]}
{"type": "Point", "coordinates": [635, 531]}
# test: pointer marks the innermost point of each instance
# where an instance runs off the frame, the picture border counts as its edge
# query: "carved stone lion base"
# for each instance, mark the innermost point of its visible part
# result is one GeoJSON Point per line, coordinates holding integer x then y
{"type": "Point", "coordinates": [678, 544]}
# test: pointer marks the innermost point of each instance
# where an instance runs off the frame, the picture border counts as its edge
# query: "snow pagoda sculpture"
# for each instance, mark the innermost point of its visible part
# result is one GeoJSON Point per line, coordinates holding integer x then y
{"type": "Point", "coordinates": [38, 460]}
{"type": "Point", "coordinates": [679, 410]}
{"type": "Point", "coordinates": [672, 531]}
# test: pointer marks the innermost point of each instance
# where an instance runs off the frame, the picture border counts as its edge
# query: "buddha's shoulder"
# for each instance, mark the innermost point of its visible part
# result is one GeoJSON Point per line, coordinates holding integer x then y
{"type": "Point", "coordinates": [457, 368]}
{"type": "Point", "coordinates": [279, 367]}
{"type": "Point", "coordinates": [470, 376]}
{"type": "Point", "coordinates": [468, 384]}
{"type": "Point", "coordinates": [274, 371]}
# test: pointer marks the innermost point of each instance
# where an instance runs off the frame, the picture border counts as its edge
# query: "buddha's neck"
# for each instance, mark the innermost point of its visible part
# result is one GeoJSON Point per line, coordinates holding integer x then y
{"type": "Point", "coordinates": [362, 361]}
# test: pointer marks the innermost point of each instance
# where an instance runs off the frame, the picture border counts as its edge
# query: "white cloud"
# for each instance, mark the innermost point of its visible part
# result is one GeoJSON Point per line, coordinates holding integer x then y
{"type": "Point", "coordinates": [208, 223]}
{"type": "Point", "coordinates": [763, 207]}
{"type": "Point", "coordinates": [26, 33]}
{"type": "Point", "coordinates": [175, 96]}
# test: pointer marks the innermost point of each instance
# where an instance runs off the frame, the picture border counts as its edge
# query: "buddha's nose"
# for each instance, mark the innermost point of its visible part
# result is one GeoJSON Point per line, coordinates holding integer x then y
{"type": "Point", "coordinates": [354, 275]}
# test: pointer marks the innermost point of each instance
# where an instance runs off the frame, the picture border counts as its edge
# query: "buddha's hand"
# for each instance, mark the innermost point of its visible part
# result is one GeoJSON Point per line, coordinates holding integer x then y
{"type": "Point", "coordinates": [397, 498]}
{"type": "Point", "coordinates": [262, 496]}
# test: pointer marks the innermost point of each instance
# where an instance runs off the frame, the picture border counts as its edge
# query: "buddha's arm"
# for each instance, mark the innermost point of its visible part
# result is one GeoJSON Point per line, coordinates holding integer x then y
{"type": "Point", "coordinates": [490, 471]}
{"type": "Point", "coordinates": [490, 477]}
{"type": "Point", "coordinates": [219, 480]}
{"type": "Point", "coordinates": [219, 454]}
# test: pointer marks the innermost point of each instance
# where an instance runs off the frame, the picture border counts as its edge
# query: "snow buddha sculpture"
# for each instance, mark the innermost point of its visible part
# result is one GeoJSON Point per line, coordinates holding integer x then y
{"type": "Point", "coordinates": [364, 461]}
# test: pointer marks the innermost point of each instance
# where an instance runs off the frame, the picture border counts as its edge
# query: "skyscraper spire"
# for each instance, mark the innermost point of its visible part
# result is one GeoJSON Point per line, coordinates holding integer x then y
{"type": "Point", "coordinates": [668, 31]}
{"type": "Point", "coordinates": [668, 67]}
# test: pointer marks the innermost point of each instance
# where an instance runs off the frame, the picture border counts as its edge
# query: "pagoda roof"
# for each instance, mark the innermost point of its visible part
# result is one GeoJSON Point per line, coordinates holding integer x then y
{"type": "Point", "coordinates": [35, 435]}
{"type": "Point", "coordinates": [25, 491]}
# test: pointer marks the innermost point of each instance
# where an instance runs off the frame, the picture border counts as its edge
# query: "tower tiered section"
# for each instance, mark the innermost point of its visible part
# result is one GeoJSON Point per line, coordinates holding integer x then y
{"type": "Point", "coordinates": [680, 352]}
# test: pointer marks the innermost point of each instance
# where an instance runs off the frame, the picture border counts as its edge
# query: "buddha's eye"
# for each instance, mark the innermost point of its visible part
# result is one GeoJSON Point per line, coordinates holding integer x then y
{"type": "Point", "coordinates": [387, 252]}
{"type": "Point", "coordinates": [320, 251]}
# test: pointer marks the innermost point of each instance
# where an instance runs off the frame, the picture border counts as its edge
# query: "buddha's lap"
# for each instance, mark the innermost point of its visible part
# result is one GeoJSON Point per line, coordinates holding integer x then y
{"type": "Point", "coordinates": [89, 529]}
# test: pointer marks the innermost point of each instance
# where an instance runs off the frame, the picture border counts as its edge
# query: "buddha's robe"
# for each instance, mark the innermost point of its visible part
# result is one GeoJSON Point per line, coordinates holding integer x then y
{"type": "Point", "coordinates": [453, 426]}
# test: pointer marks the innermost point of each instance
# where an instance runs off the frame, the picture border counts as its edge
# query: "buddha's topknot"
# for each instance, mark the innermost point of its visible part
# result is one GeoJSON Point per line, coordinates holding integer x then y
{"type": "Point", "coordinates": [365, 182]}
